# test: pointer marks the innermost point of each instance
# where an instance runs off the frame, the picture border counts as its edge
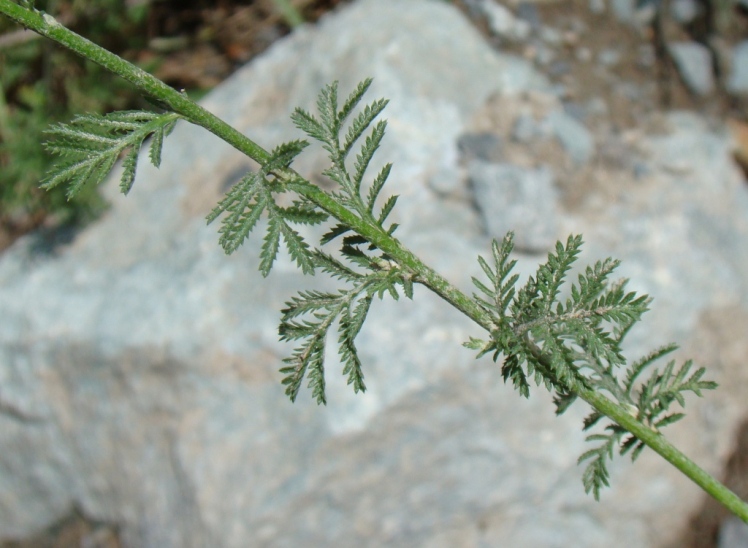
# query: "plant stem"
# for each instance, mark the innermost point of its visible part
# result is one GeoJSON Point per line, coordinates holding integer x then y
{"type": "Point", "coordinates": [48, 27]}
{"type": "Point", "coordinates": [179, 103]}
{"type": "Point", "coordinates": [668, 451]}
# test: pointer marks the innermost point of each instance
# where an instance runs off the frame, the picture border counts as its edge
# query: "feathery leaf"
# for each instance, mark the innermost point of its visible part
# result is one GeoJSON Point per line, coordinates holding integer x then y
{"type": "Point", "coordinates": [90, 145]}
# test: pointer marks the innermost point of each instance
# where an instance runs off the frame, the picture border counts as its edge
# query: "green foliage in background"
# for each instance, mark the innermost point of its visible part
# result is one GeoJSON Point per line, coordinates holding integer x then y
{"type": "Point", "coordinates": [39, 83]}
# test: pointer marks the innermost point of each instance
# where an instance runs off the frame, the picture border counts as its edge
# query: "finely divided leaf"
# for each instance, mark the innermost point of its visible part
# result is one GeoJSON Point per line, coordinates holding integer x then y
{"type": "Point", "coordinates": [551, 275]}
{"type": "Point", "coordinates": [244, 203]}
{"type": "Point", "coordinates": [309, 125]}
{"type": "Point", "coordinates": [575, 345]}
{"type": "Point", "coordinates": [298, 249]}
{"type": "Point", "coordinates": [253, 195]}
{"type": "Point", "coordinates": [270, 244]}
{"type": "Point", "coordinates": [350, 325]}
{"type": "Point", "coordinates": [129, 165]}
{"type": "Point", "coordinates": [376, 187]}
{"type": "Point", "coordinates": [335, 268]}
{"type": "Point", "coordinates": [327, 105]}
{"type": "Point", "coordinates": [309, 316]}
{"type": "Point", "coordinates": [354, 98]}
{"type": "Point", "coordinates": [371, 144]}
{"type": "Point", "coordinates": [90, 145]}
{"type": "Point", "coordinates": [157, 143]}
{"type": "Point", "coordinates": [387, 208]}
{"type": "Point", "coordinates": [361, 123]}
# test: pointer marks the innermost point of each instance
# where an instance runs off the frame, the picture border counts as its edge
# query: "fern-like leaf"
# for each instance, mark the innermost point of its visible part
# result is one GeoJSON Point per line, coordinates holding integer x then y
{"type": "Point", "coordinates": [309, 125]}
{"type": "Point", "coordinates": [320, 311]}
{"type": "Point", "coordinates": [327, 106]}
{"type": "Point", "coordinates": [376, 187]}
{"type": "Point", "coordinates": [551, 275]}
{"type": "Point", "coordinates": [367, 270]}
{"type": "Point", "coordinates": [574, 345]}
{"type": "Point", "coordinates": [252, 196]}
{"type": "Point", "coordinates": [310, 315]}
{"type": "Point", "coordinates": [357, 129]}
{"type": "Point", "coordinates": [90, 145]}
{"type": "Point", "coordinates": [354, 99]}
{"type": "Point", "coordinates": [665, 388]}
{"type": "Point", "coordinates": [244, 204]}
{"type": "Point", "coordinates": [596, 474]}
{"type": "Point", "coordinates": [350, 324]}
{"type": "Point", "coordinates": [501, 290]}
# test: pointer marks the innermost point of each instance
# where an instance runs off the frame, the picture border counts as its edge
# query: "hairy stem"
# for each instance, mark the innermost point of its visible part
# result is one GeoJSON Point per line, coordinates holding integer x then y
{"type": "Point", "coordinates": [668, 451]}
{"type": "Point", "coordinates": [47, 26]}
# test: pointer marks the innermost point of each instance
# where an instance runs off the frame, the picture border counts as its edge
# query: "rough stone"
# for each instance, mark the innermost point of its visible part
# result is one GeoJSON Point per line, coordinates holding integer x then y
{"type": "Point", "coordinates": [514, 198]}
{"type": "Point", "coordinates": [733, 534]}
{"type": "Point", "coordinates": [624, 10]}
{"type": "Point", "coordinates": [685, 11]}
{"type": "Point", "coordinates": [694, 63]}
{"type": "Point", "coordinates": [597, 6]}
{"type": "Point", "coordinates": [738, 80]}
{"type": "Point", "coordinates": [573, 136]}
{"type": "Point", "coordinates": [479, 146]}
{"type": "Point", "coordinates": [503, 23]}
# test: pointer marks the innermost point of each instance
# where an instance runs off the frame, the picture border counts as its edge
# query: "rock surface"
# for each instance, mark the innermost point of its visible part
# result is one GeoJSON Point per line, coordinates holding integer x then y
{"type": "Point", "coordinates": [138, 363]}
{"type": "Point", "coordinates": [694, 62]}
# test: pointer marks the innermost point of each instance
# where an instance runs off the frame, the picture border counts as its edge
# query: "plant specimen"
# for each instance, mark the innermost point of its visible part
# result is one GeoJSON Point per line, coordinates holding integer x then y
{"type": "Point", "coordinates": [566, 337]}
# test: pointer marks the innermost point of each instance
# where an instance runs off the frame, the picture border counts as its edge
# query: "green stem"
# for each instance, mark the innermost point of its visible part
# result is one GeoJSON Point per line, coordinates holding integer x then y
{"type": "Point", "coordinates": [179, 103]}
{"type": "Point", "coordinates": [669, 452]}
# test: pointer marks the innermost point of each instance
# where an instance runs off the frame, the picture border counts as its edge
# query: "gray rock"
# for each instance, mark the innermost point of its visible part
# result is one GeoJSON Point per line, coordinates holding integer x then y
{"type": "Point", "coordinates": [609, 57]}
{"type": "Point", "coordinates": [685, 11]}
{"type": "Point", "coordinates": [519, 199]}
{"type": "Point", "coordinates": [529, 13]}
{"type": "Point", "coordinates": [733, 533]}
{"type": "Point", "coordinates": [552, 36]}
{"type": "Point", "coordinates": [503, 23]}
{"type": "Point", "coordinates": [624, 10]}
{"type": "Point", "coordinates": [526, 129]}
{"type": "Point", "coordinates": [694, 63]}
{"type": "Point", "coordinates": [573, 136]}
{"type": "Point", "coordinates": [446, 182]}
{"type": "Point", "coordinates": [738, 80]}
{"type": "Point", "coordinates": [636, 13]}
{"type": "Point", "coordinates": [597, 6]}
{"type": "Point", "coordinates": [479, 146]}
